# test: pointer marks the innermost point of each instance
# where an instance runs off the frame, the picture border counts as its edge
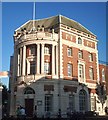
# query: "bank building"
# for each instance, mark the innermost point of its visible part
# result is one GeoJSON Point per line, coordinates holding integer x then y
{"type": "Point", "coordinates": [54, 66]}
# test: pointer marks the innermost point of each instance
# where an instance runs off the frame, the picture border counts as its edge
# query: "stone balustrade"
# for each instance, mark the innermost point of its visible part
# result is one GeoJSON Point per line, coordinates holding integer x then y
{"type": "Point", "coordinates": [38, 36]}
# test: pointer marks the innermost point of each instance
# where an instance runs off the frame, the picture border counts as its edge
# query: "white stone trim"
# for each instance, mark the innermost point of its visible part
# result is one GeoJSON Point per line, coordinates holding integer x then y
{"type": "Point", "coordinates": [97, 61]}
{"type": "Point", "coordinates": [60, 54]}
{"type": "Point", "coordinates": [53, 60]}
{"type": "Point", "coordinates": [28, 67]}
{"type": "Point", "coordinates": [42, 58]}
{"type": "Point", "coordinates": [38, 59]}
{"type": "Point", "coordinates": [24, 58]}
{"type": "Point", "coordinates": [88, 97]}
{"type": "Point", "coordinates": [69, 43]}
{"type": "Point", "coordinates": [75, 33]}
{"type": "Point", "coordinates": [82, 63]}
{"type": "Point", "coordinates": [57, 61]}
{"type": "Point", "coordinates": [18, 57]}
{"type": "Point", "coordinates": [30, 42]}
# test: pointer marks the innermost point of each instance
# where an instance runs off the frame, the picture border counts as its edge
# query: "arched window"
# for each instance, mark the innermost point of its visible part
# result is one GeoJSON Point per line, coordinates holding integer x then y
{"type": "Point", "coordinates": [79, 40]}
{"type": "Point", "coordinates": [82, 100]}
{"type": "Point", "coordinates": [29, 90]}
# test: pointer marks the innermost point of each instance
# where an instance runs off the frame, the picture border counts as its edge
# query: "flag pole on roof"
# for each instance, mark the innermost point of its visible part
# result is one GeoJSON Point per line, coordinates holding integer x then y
{"type": "Point", "coordinates": [34, 16]}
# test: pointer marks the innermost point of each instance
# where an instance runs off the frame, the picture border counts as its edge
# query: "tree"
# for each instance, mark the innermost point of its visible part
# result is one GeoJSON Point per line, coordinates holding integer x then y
{"type": "Point", "coordinates": [4, 100]}
{"type": "Point", "coordinates": [101, 92]}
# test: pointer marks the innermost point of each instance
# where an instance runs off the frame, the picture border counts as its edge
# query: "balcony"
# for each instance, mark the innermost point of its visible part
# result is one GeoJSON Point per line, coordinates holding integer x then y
{"type": "Point", "coordinates": [38, 36]}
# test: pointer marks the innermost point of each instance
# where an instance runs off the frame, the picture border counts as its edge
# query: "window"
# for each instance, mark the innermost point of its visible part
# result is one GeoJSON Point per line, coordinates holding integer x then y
{"type": "Point", "coordinates": [46, 67]}
{"type": "Point", "coordinates": [66, 36]}
{"type": "Point", "coordinates": [81, 71]}
{"type": "Point", "coordinates": [82, 100]}
{"type": "Point", "coordinates": [69, 51]}
{"type": "Point", "coordinates": [80, 54]}
{"type": "Point", "coordinates": [72, 102]}
{"type": "Point", "coordinates": [79, 40]}
{"type": "Point", "coordinates": [69, 69]}
{"type": "Point", "coordinates": [103, 74]}
{"type": "Point", "coordinates": [93, 103]}
{"type": "Point", "coordinates": [32, 50]}
{"type": "Point", "coordinates": [48, 102]}
{"type": "Point", "coordinates": [90, 57]}
{"type": "Point", "coordinates": [46, 50]}
{"type": "Point", "coordinates": [91, 74]}
{"type": "Point", "coordinates": [32, 67]}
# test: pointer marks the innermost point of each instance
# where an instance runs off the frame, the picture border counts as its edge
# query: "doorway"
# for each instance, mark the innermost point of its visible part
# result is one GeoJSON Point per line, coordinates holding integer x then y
{"type": "Point", "coordinates": [29, 105]}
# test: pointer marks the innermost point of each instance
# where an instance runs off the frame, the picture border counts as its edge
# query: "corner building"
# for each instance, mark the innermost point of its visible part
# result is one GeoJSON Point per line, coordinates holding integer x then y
{"type": "Point", "coordinates": [54, 66]}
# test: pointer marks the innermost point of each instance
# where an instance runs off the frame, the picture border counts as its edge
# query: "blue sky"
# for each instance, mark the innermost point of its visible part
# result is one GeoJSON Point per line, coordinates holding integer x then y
{"type": "Point", "coordinates": [92, 15]}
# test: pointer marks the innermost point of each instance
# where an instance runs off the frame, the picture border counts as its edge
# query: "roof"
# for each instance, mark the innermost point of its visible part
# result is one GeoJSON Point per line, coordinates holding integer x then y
{"type": "Point", "coordinates": [53, 21]}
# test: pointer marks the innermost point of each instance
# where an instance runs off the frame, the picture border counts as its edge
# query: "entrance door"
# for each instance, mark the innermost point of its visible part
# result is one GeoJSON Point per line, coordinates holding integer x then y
{"type": "Point", "coordinates": [29, 103]}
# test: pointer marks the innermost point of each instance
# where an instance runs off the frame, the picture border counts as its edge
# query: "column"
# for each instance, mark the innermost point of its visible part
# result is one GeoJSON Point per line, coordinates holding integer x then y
{"type": "Point", "coordinates": [24, 60]}
{"type": "Point", "coordinates": [28, 67]}
{"type": "Point", "coordinates": [53, 60]}
{"type": "Point", "coordinates": [20, 68]}
{"type": "Point", "coordinates": [1, 102]}
{"type": "Point", "coordinates": [57, 60]}
{"type": "Point", "coordinates": [42, 59]}
{"type": "Point", "coordinates": [18, 63]}
{"type": "Point", "coordinates": [38, 59]}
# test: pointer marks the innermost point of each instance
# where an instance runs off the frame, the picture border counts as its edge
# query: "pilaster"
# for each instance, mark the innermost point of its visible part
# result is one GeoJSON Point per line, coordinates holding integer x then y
{"type": "Point", "coordinates": [24, 59]}
{"type": "Point", "coordinates": [42, 59]}
{"type": "Point", "coordinates": [38, 59]}
{"type": "Point", "coordinates": [53, 60]}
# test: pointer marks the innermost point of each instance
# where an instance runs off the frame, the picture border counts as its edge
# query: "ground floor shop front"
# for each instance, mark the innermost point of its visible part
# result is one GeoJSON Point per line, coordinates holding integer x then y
{"type": "Point", "coordinates": [46, 97]}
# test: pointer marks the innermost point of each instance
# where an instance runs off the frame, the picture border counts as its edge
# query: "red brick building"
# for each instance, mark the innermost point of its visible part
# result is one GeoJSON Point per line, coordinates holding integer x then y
{"type": "Point", "coordinates": [55, 66]}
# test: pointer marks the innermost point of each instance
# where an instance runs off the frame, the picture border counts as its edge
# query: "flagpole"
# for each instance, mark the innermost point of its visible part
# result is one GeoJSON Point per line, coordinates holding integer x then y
{"type": "Point", "coordinates": [34, 16]}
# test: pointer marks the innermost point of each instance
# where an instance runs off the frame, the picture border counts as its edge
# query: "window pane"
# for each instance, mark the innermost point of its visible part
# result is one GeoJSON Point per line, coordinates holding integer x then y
{"type": "Point", "coordinates": [32, 67]}
{"type": "Point", "coordinates": [46, 50]}
{"type": "Point", "coordinates": [79, 41]}
{"type": "Point", "coordinates": [80, 54]}
{"type": "Point", "coordinates": [46, 67]}
{"type": "Point", "coordinates": [103, 74]}
{"type": "Point", "coordinates": [91, 74]}
{"type": "Point", "coordinates": [71, 102]}
{"type": "Point", "coordinates": [69, 69]}
{"type": "Point", "coordinates": [81, 71]}
{"type": "Point", "coordinates": [90, 57]}
{"type": "Point", "coordinates": [69, 50]}
{"type": "Point", "coordinates": [32, 50]}
{"type": "Point", "coordinates": [82, 100]}
{"type": "Point", "coordinates": [48, 102]}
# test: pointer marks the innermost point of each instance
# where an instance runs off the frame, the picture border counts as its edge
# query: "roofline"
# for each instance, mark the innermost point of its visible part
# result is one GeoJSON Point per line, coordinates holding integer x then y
{"type": "Point", "coordinates": [79, 23]}
{"type": "Point", "coordinates": [22, 25]}
{"type": "Point", "coordinates": [103, 63]}
{"type": "Point", "coordinates": [45, 18]}
{"type": "Point", "coordinates": [59, 17]}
